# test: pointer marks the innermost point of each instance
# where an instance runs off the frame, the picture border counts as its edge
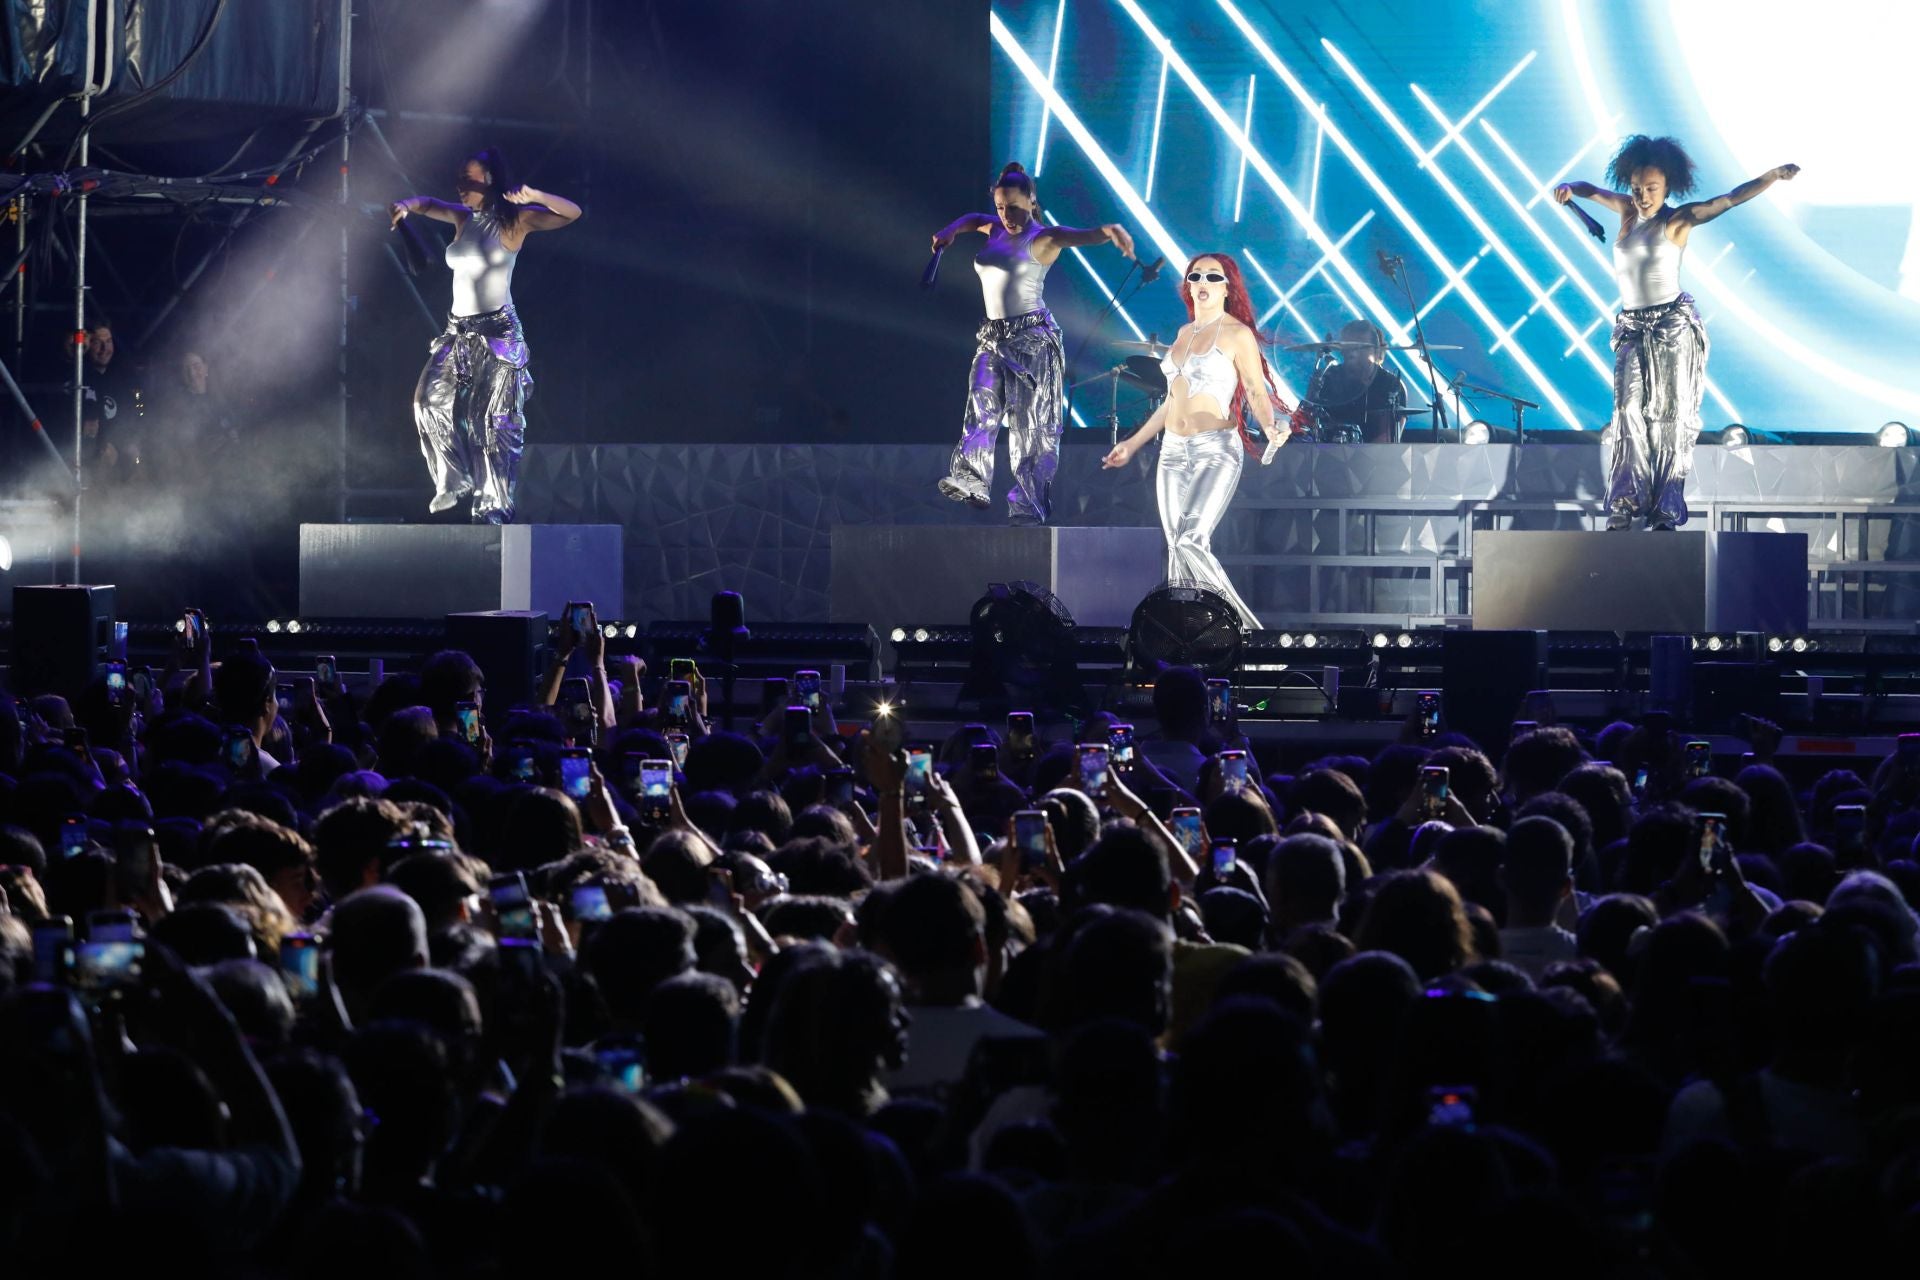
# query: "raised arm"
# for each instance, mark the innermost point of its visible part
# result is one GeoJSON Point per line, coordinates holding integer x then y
{"type": "Point", "coordinates": [1616, 201]}
{"type": "Point", "coordinates": [964, 223]}
{"type": "Point", "coordinates": [428, 207]}
{"type": "Point", "coordinates": [1707, 210]}
{"type": "Point", "coordinates": [1053, 239]}
{"type": "Point", "coordinates": [542, 210]}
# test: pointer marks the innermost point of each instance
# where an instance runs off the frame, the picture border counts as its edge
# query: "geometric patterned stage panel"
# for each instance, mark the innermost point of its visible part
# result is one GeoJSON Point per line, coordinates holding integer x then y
{"type": "Point", "coordinates": [757, 518]}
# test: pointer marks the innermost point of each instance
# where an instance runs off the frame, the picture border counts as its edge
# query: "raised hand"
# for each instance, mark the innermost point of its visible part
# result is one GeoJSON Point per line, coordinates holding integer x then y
{"type": "Point", "coordinates": [1785, 173]}
{"type": "Point", "coordinates": [1563, 193]}
{"type": "Point", "coordinates": [1118, 237]}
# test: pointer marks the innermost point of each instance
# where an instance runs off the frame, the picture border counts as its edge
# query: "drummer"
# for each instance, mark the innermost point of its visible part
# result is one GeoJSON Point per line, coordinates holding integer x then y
{"type": "Point", "coordinates": [1357, 395]}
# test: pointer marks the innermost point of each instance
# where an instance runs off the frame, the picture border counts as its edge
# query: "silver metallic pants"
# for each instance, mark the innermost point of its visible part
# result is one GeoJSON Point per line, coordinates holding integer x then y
{"type": "Point", "coordinates": [1195, 483]}
{"type": "Point", "coordinates": [1659, 373]}
{"type": "Point", "coordinates": [470, 409]}
{"type": "Point", "coordinates": [1018, 370]}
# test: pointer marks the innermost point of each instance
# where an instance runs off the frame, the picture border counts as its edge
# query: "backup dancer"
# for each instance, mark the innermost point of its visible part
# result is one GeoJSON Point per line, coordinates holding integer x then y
{"type": "Point", "coordinates": [1214, 370]}
{"type": "Point", "coordinates": [1659, 344]}
{"type": "Point", "coordinates": [470, 404]}
{"type": "Point", "coordinates": [1018, 366]}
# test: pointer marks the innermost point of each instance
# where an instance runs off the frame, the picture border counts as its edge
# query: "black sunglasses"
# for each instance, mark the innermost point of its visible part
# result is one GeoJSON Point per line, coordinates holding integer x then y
{"type": "Point", "coordinates": [1211, 277]}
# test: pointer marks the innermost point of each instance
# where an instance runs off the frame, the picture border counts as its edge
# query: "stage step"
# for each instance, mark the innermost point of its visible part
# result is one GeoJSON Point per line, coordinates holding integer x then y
{"type": "Point", "coordinates": [1667, 583]}
{"type": "Point", "coordinates": [431, 570]}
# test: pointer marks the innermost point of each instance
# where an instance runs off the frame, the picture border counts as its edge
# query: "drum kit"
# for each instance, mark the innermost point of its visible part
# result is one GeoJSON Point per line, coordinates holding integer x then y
{"type": "Point", "coordinates": [1339, 407]}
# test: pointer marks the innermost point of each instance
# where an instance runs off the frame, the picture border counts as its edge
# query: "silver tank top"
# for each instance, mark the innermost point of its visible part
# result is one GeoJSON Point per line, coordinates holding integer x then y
{"type": "Point", "coordinates": [482, 267]}
{"type": "Point", "coordinates": [1646, 264]}
{"type": "Point", "coordinates": [1011, 279]}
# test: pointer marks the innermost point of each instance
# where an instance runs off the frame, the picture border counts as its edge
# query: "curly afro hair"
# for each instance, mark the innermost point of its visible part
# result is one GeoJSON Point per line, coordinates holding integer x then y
{"type": "Point", "coordinates": [1641, 152]}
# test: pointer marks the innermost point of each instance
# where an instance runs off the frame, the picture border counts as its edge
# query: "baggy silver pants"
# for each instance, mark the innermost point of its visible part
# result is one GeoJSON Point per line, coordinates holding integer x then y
{"type": "Point", "coordinates": [1659, 374]}
{"type": "Point", "coordinates": [470, 409]}
{"type": "Point", "coordinates": [1195, 482]}
{"type": "Point", "coordinates": [1018, 369]}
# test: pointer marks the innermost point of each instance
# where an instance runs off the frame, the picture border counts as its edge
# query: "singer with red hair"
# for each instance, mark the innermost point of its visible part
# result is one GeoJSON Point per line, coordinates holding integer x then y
{"type": "Point", "coordinates": [1018, 360]}
{"type": "Point", "coordinates": [1216, 375]}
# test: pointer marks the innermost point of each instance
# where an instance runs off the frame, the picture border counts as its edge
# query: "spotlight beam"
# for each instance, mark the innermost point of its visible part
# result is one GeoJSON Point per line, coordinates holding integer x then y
{"type": "Point", "coordinates": [1453, 133]}
{"type": "Point", "coordinates": [1053, 67]}
{"type": "Point", "coordinates": [1310, 272]}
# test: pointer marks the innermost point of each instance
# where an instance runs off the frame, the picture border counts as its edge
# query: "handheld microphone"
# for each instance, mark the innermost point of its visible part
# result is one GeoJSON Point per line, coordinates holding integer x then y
{"type": "Point", "coordinates": [932, 272]}
{"type": "Point", "coordinates": [1593, 227]}
{"type": "Point", "coordinates": [1149, 274]}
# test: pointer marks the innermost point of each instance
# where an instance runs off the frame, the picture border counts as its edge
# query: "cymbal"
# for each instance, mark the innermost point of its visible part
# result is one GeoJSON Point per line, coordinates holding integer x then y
{"type": "Point", "coordinates": [1431, 346]}
{"type": "Point", "coordinates": [1151, 348]}
{"type": "Point", "coordinates": [1318, 347]}
{"type": "Point", "coordinates": [1146, 371]}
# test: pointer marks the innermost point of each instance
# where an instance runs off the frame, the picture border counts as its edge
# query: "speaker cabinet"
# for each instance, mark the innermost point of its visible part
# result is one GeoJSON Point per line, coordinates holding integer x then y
{"type": "Point", "coordinates": [61, 635]}
{"type": "Point", "coordinates": [508, 644]}
{"type": "Point", "coordinates": [1487, 675]}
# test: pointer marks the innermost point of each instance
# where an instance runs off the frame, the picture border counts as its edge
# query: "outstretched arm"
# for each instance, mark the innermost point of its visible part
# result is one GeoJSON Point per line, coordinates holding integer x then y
{"type": "Point", "coordinates": [1707, 210]}
{"type": "Point", "coordinates": [1079, 237]}
{"type": "Point", "coordinates": [1616, 201]}
{"type": "Point", "coordinates": [964, 223]}
{"type": "Point", "coordinates": [542, 210]}
{"type": "Point", "coordinates": [428, 207]}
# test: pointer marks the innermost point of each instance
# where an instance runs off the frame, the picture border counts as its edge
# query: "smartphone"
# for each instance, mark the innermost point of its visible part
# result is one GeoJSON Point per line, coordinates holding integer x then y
{"type": "Point", "coordinates": [1224, 857]}
{"type": "Point", "coordinates": [119, 651]}
{"type": "Point", "coordinates": [984, 758]}
{"type": "Point", "coordinates": [134, 852]}
{"type": "Point", "coordinates": [589, 903]}
{"type": "Point", "coordinates": [806, 689]}
{"type": "Point", "coordinates": [919, 777]}
{"type": "Point", "coordinates": [576, 773]}
{"type": "Point", "coordinates": [682, 669]}
{"type": "Point", "coordinates": [840, 787]}
{"type": "Point", "coordinates": [576, 697]}
{"type": "Point", "coordinates": [1428, 705]}
{"type": "Point", "coordinates": [1186, 829]}
{"type": "Point", "coordinates": [519, 764]}
{"type": "Point", "coordinates": [53, 950]}
{"type": "Point", "coordinates": [797, 734]}
{"type": "Point", "coordinates": [656, 790]}
{"type": "Point", "coordinates": [1452, 1105]}
{"type": "Point", "coordinates": [1220, 701]}
{"type": "Point", "coordinates": [1095, 758]}
{"type": "Point", "coordinates": [467, 716]}
{"type": "Point", "coordinates": [238, 749]}
{"type": "Point", "coordinates": [1030, 837]}
{"type": "Point", "coordinates": [300, 965]}
{"type": "Point", "coordinates": [679, 702]}
{"type": "Point", "coordinates": [326, 671]}
{"type": "Point", "coordinates": [889, 729]}
{"type": "Point", "coordinates": [141, 682]}
{"type": "Point", "coordinates": [1233, 770]}
{"type": "Point", "coordinates": [1849, 826]}
{"type": "Point", "coordinates": [116, 682]}
{"type": "Point", "coordinates": [1906, 750]}
{"type": "Point", "coordinates": [624, 1063]}
{"type": "Point", "coordinates": [1120, 741]}
{"type": "Point", "coordinates": [1640, 783]}
{"type": "Point", "coordinates": [190, 629]}
{"type": "Point", "coordinates": [1699, 759]}
{"type": "Point", "coordinates": [283, 694]}
{"type": "Point", "coordinates": [513, 906]}
{"type": "Point", "coordinates": [679, 743]}
{"type": "Point", "coordinates": [1020, 735]}
{"type": "Point", "coordinates": [73, 836]}
{"type": "Point", "coordinates": [521, 958]}
{"type": "Point", "coordinates": [580, 617]}
{"type": "Point", "coordinates": [1713, 828]}
{"type": "Point", "coordinates": [1436, 781]}
{"type": "Point", "coordinates": [111, 958]}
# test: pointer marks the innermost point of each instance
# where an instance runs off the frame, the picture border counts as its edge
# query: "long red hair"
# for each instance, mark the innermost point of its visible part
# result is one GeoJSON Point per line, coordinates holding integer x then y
{"type": "Point", "coordinates": [1240, 306]}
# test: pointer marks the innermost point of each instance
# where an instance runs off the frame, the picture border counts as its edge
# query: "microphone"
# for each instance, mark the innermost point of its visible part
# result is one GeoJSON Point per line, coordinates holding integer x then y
{"type": "Point", "coordinates": [1149, 274]}
{"type": "Point", "coordinates": [932, 272]}
{"type": "Point", "coordinates": [1594, 229]}
{"type": "Point", "coordinates": [1388, 262]}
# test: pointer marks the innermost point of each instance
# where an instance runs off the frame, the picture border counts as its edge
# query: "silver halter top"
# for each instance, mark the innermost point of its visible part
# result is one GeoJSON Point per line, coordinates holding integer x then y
{"type": "Point", "coordinates": [482, 267]}
{"type": "Point", "coordinates": [1646, 264]}
{"type": "Point", "coordinates": [1011, 279]}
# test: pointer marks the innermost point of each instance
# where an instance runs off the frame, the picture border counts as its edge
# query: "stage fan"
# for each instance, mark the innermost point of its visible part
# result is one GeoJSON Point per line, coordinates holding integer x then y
{"type": "Point", "coordinates": [1184, 624]}
{"type": "Point", "coordinates": [1023, 638]}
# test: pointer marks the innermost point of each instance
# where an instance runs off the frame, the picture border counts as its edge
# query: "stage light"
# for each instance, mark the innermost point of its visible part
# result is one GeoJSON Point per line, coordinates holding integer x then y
{"type": "Point", "coordinates": [1405, 640]}
{"type": "Point", "coordinates": [1734, 436]}
{"type": "Point", "coordinates": [1309, 641]}
{"type": "Point", "coordinates": [1379, 639]}
{"type": "Point", "coordinates": [897, 634]}
{"type": "Point", "coordinates": [920, 635]}
{"type": "Point", "coordinates": [293, 626]}
{"type": "Point", "coordinates": [1893, 436]}
{"type": "Point", "coordinates": [1286, 640]}
{"type": "Point", "coordinates": [1476, 432]}
{"type": "Point", "coordinates": [273, 626]}
{"type": "Point", "coordinates": [1775, 644]}
{"type": "Point", "coordinates": [6, 554]}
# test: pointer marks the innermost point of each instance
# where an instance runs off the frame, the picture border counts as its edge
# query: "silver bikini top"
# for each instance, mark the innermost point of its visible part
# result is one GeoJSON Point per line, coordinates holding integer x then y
{"type": "Point", "coordinates": [1208, 373]}
{"type": "Point", "coordinates": [482, 267]}
{"type": "Point", "coordinates": [1646, 264]}
{"type": "Point", "coordinates": [1011, 278]}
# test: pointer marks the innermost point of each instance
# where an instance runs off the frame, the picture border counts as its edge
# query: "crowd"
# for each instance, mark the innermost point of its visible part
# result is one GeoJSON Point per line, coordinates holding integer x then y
{"type": "Point", "coordinates": [304, 980]}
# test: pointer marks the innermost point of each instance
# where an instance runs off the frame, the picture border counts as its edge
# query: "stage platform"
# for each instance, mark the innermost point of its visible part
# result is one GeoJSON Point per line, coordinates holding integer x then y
{"type": "Point", "coordinates": [430, 570]}
{"type": "Point", "coordinates": [1362, 535]}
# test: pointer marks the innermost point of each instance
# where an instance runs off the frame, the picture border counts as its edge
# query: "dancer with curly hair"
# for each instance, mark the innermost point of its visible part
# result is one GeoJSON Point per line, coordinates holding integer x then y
{"type": "Point", "coordinates": [1018, 360]}
{"type": "Point", "coordinates": [1214, 372]}
{"type": "Point", "coordinates": [1659, 344]}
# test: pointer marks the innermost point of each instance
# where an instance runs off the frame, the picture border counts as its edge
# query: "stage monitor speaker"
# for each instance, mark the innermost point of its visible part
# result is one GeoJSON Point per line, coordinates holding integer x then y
{"type": "Point", "coordinates": [61, 635]}
{"type": "Point", "coordinates": [508, 644]}
{"type": "Point", "coordinates": [1485, 676]}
